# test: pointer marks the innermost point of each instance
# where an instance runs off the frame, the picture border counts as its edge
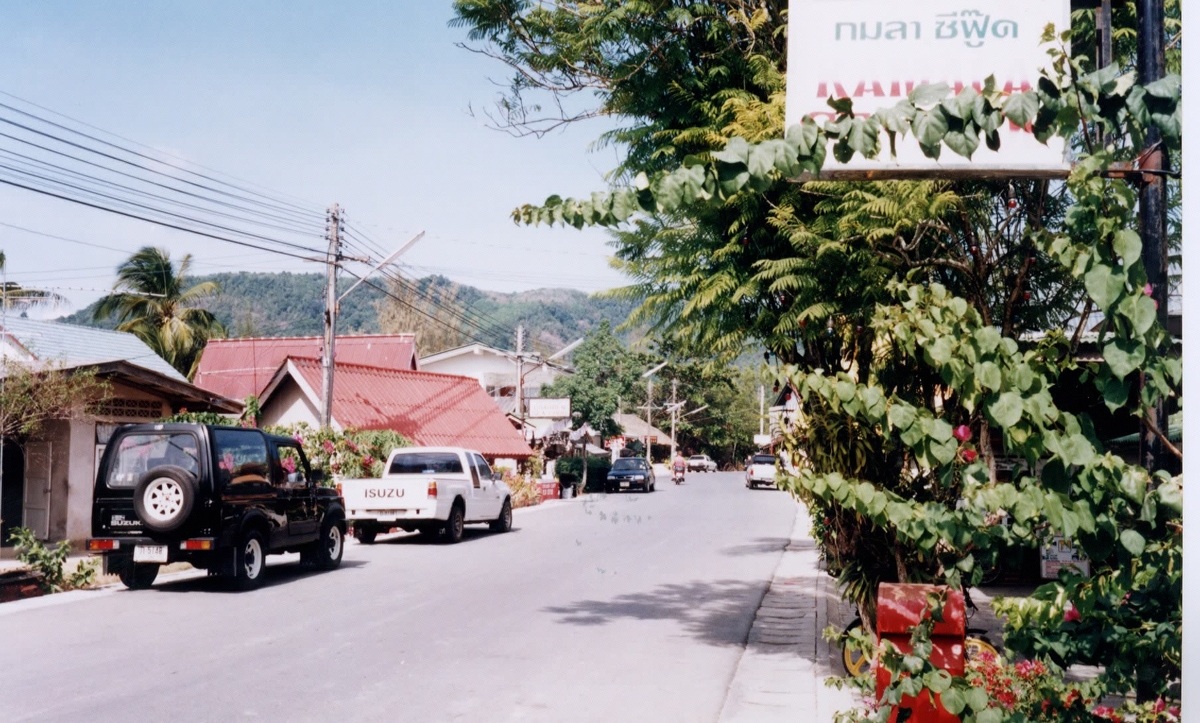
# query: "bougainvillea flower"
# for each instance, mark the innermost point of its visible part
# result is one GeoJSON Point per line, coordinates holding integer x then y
{"type": "Point", "coordinates": [962, 432]}
{"type": "Point", "coordinates": [969, 455]}
{"type": "Point", "coordinates": [1071, 614]}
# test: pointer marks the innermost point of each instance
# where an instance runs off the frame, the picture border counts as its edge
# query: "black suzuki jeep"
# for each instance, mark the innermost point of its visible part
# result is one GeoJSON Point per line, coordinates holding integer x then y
{"type": "Point", "coordinates": [221, 498]}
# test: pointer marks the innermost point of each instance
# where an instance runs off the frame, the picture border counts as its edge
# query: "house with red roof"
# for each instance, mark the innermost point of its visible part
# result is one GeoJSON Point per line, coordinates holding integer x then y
{"type": "Point", "coordinates": [238, 368]}
{"type": "Point", "coordinates": [429, 408]}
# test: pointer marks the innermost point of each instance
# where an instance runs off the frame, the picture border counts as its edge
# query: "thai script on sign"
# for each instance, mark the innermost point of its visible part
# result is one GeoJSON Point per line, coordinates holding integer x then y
{"type": "Point", "coordinates": [971, 26]}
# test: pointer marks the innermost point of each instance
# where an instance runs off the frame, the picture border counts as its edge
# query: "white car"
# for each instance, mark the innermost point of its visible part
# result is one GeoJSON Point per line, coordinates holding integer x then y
{"type": "Point", "coordinates": [760, 471]}
{"type": "Point", "coordinates": [701, 463]}
{"type": "Point", "coordinates": [432, 490]}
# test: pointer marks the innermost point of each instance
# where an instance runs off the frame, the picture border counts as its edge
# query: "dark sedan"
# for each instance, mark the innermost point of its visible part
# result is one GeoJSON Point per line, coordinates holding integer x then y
{"type": "Point", "coordinates": [630, 473]}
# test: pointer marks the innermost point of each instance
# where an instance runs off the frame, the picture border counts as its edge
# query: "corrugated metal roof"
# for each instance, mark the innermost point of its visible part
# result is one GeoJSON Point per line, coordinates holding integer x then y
{"type": "Point", "coordinates": [635, 428]}
{"type": "Point", "coordinates": [72, 345]}
{"type": "Point", "coordinates": [429, 408]}
{"type": "Point", "coordinates": [237, 368]}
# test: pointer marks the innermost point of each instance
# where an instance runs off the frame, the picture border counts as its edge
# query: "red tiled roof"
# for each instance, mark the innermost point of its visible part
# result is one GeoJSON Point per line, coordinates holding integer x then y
{"type": "Point", "coordinates": [237, 368]}
{"type": "Point", "coordinates": [431, 409]}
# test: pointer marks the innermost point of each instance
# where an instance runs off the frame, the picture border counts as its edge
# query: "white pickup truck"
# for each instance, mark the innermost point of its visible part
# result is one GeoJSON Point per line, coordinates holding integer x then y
{"type": "Point", "coordinates": [432, 490]}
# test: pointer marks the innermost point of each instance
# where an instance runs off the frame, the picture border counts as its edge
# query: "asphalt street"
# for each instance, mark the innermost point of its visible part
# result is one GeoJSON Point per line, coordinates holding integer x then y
{"type": "Point", "coordinates": [632, 607]}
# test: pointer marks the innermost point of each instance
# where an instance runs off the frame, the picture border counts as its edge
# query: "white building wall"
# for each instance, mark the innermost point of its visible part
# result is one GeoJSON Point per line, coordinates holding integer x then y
{"type": "Point", "coordinates": [288, 405]}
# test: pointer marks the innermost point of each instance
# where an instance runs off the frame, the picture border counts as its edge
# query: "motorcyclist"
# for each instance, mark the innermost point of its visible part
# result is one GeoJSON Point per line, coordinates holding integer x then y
{"type": "Point", "coordinates": [680, 464]}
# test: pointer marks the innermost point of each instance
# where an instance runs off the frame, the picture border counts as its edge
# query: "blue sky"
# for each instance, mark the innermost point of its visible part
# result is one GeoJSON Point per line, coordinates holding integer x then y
{"type": "Point", "coordinates": [363, 103]}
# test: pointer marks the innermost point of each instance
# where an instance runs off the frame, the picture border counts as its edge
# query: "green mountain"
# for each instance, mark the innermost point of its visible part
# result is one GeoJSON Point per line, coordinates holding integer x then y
{"type": "Point", "coordinates": [288, 304]}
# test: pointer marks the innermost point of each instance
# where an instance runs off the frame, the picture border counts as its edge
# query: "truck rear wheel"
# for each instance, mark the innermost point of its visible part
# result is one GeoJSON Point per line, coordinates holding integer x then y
{"type": "Point", "coordinates": [250, 561]}
{"type": "Point", "coordinates": [453, 531]}
{"type": "Point", "coordinates": [365, 533]}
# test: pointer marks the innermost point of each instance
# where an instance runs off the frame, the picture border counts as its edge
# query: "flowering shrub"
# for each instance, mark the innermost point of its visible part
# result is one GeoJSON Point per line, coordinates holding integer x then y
{"type": "Point", "coordinates": [524, 488]}
{"type": "Point", "coordinates": [353, 453]}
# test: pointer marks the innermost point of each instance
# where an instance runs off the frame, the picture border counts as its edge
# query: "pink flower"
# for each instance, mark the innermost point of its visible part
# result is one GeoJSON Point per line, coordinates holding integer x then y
{"type": "Point", "coordinates": [970, 455]}
{"type": "Point", "coordinates": [1148, 290]}
{"type": "Point", "coordinates": [1102, 710]}
{"type": "Point", "coordinates": [368, 461]}
{"type": "Point", "coordinates": [298, 438]}
{"type": "Point", "coordinates": [1160, 705]}
{"type": "Point", "coordinates": [328, 447]}
{"type": "Point", "coordinates": [353, 447]}
{"type": "Point", "coordinates": [962, 432]}
{"type": "Point", "coordinates": [1071, 614]}
{"type": "Point", "coordinates": [288, 464]}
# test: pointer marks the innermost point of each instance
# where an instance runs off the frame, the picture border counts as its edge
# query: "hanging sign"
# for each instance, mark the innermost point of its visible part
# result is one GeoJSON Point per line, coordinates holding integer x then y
{"type": "Point", "coordinates": [875, 52]}
{"type": "Point", "coordinates": [1059, 554]}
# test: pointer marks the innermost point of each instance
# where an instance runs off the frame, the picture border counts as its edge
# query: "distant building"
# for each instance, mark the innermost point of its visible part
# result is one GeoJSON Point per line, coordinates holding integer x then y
{"type": "Point", "coordinates": [495, 370]}
{"type": "Point", "coordinates": [46, 481]}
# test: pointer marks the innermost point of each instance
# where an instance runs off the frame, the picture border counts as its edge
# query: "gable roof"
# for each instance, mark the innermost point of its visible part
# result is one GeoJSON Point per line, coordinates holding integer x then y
{"type": "Point", "coordinates": [237, 368]}
{"type": "Point", "coordinates": [474, 348]}
{"type": "Point", "coordinates": [72, 345]}
{"type": "Point", "coordinates": [636, 428]}
{"type": "Point", "coordinates": [429, 408]}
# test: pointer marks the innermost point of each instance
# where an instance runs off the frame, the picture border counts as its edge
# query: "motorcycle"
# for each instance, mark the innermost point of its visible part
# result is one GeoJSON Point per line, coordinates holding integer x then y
{"type": "Point", "coordinates": [677, 476]}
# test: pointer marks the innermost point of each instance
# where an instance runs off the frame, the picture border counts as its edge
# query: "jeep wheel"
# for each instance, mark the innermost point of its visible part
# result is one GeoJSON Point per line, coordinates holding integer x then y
{"type": "Point", "coordinates": [251, 561]}
{"type": "Point", "coordinates": [330, 544]}
{"type": "Point", "coordinates": [163, 498]}
{"type": "Point", "coordinates": [365, 534]}
{"type": "Point", "coordinates": [138, 576]}
{"type": "Point", "coordinates": [503, 523]}
{"type": "Point", "coordinates": [453, 530]}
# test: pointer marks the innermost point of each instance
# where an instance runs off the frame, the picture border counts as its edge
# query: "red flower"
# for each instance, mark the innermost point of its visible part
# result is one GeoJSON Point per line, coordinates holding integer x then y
{"type": "Point", "coordinates": [962, 432]}
{"type": "Point", "coordinates": [353, 447]}
{"type": "Point", "coordinates": [969, 455]}
{"type": "Point", "coordinates": [367, 461]}
{"type": "Point", "coordinates": [183, 410]}
{"type": "Point", "coordinates": [1148, 290]}
{"type": "Point", "coordinates": [1071, 614]}
{"type": "Point", "coordinates": [328, 447]}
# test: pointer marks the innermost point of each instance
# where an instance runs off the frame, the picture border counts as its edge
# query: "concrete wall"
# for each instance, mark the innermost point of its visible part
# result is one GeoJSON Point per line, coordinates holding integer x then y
{"type": "Point", "coordinates": [492, 371]}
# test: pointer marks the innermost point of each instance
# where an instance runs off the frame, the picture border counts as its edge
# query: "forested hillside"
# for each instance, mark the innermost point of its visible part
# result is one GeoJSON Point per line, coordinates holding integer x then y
{"type": "Point", "coordinates": [287, 304]}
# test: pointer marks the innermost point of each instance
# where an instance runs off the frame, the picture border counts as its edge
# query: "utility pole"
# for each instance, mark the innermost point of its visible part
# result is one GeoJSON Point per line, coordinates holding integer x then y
{"type": "Point", "coordinates": [334, 230]}
{"type": "Point", "coordinates": [762, 412]}
{"type": "Point", "coordinates": [520, 392]}
{"type": "Point", "coordinates": [1152, 202]}
{"type": "Point", "coordinates": [674, 415]}
{"type": "Point", "coordinates": [649, 406]}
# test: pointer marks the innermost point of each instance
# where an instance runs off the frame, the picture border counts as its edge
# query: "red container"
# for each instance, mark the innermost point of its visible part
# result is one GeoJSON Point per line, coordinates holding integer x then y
{"type": "Point", "coordinates": [901, 608]}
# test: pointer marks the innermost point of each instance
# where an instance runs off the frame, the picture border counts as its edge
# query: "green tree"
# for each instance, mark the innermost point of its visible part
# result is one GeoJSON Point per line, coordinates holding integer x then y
{"type": "Point", "coordinates": [606, 374]}
{"type": "Point", "coordinates": [152, 299]}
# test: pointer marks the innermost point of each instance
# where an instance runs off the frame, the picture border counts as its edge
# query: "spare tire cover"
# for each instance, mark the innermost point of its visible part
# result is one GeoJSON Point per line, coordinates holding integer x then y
{"type": "Point", "coordinates": [164, 497]}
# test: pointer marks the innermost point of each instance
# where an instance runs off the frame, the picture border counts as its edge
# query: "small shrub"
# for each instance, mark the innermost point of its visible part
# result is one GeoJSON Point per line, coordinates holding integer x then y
{"type": "Point", "coordinates": [49, 562]}
{"type": "Point", "coordinates": [570, 470]}
{"type": "Point", "coordinates": [524, 489]}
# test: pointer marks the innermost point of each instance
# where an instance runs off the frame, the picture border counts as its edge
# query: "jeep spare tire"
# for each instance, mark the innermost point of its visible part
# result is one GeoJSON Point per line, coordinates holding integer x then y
{"type": "Point", "coordinates": [163, 498]}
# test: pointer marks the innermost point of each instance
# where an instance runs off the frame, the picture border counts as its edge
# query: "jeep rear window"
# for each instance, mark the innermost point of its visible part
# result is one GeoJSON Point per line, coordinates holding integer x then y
{"type": "Point", "coordinates": [138, 453]}
{"type": "Point", "coordinates": [426, 463]}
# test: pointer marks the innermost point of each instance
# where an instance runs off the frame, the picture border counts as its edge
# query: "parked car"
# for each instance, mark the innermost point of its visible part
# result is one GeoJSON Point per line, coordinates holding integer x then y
{"type": "Point", "coordinates": [701, 463]}
{"type": "Point", "coordinates": [220, 498]}
{"type": "Point", "coordinates": [760, 471]}
{"type": "Point", "coordinates": [431, 490]}
{"type": "Point", "coordinates": [630, 473]}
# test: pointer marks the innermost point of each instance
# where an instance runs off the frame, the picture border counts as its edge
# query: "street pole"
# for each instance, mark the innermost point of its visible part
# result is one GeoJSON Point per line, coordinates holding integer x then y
{"type": "Point", "coordinates": [649, 406]}
{"type": "Point", "coordinates": [762, 394]}
{"type": "Point", "coordinates": [1152, 202]}
{"type": "Point", "coordinates": [520, 393]}
{"type": "Point", "coordinates": [331, 303]}
{"type": "Point", "coordinates": [674, 415]}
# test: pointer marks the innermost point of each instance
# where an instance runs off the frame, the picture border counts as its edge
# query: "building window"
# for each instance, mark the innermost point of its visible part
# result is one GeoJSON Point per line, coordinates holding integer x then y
{"type": "Point", "coordinates": [130, 408]}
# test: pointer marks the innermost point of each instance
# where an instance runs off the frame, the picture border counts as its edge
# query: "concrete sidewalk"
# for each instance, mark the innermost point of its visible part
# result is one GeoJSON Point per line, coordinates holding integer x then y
{"type": "Point", "coordinates": [781, 675]}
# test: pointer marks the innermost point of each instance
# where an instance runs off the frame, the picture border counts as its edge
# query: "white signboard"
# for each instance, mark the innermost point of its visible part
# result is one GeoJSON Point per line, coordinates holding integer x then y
{"type": "Point", "coordinates": [550, 407]}
{"type": "Point", "coordinates": [876, 51]}
{"type": "Point", "coordinates": [762, 440]}
{"type": "Point", "coordinates": [1060, 554]}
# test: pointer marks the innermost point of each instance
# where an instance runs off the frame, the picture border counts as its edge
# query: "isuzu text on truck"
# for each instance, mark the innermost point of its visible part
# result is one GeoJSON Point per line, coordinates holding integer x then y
{"type": "Point", "coordinates": [431, 490]}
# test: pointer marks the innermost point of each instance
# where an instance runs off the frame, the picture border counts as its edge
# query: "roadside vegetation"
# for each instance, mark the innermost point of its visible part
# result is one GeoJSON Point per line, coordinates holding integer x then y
{"type": "Point", "coordinates": [929, 328]}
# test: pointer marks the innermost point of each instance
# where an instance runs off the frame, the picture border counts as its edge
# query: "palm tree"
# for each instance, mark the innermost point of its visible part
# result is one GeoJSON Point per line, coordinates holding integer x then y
{"type": "Point", "coordinates": [15, 296]}
{"type": "Point", "coordinates": [152, 300]}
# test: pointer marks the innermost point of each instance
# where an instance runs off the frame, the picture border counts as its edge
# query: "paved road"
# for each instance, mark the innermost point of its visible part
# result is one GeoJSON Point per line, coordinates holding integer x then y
{"type": "Point", "coordinates": [614, 608]}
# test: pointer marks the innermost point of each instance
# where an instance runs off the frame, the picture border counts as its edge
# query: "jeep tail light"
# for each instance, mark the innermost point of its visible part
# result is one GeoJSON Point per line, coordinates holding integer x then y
{"type": "Point", "coordinates": [197, 544]}
{"type": "Point", "coordinates": [338, 487]}
{"type": "Point", "coordinates": [102, 545]}
{"type": "Point", "coordinates": [431, 490]}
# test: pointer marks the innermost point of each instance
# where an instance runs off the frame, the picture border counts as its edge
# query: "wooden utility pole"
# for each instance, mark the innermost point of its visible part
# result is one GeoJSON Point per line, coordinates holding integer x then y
{"type": "Point", "coordinates": [334, 232]}
{"type": "Point", "coordinates": [1152, 202]}
{"type": "Point", "coordinates": [520, 392]}
{"type": "Point", "coordinates": [674, 416]}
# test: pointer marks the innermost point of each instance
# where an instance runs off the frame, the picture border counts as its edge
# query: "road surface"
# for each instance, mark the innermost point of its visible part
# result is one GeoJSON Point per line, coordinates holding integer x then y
{"type": "Point", "coordinates": [631, 607]}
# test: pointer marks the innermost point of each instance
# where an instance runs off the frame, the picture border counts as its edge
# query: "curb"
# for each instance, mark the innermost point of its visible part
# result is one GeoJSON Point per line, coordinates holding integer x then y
{"type": "Point", "coordinates": [781, 673]}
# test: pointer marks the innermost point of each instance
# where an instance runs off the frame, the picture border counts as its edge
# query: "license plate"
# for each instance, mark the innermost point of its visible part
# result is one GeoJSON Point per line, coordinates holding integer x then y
{"type": "Point", "coordinates": [624, 484]}
{"type": "Point", "coordinates": [150, 553]}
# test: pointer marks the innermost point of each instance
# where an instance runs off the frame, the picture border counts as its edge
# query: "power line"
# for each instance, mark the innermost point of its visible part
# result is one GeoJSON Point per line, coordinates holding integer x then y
{"type": "Point", "coordinates": [279, 195]}
{"type": "Point", "coordinates": [279, 204]}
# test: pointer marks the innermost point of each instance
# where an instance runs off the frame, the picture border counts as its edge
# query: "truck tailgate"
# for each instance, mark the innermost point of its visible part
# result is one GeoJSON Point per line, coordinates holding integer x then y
{"type": "Point", "coordinates": [394, 497]}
